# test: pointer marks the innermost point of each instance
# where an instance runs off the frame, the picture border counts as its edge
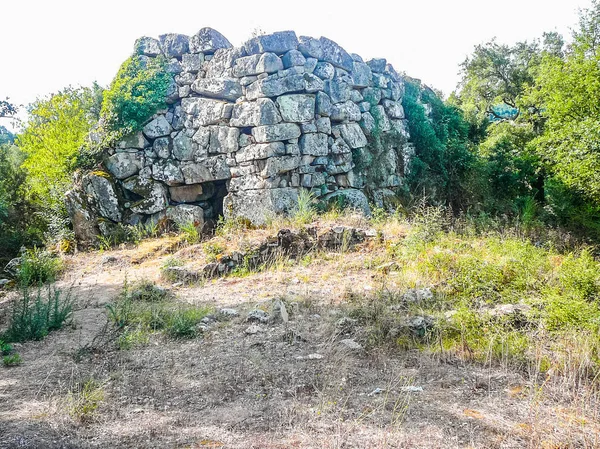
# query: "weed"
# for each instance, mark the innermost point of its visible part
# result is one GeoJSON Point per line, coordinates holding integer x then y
{"type": "Point", "coordinates": [38, 267]}
{"type": "Point", "coordinates": [213, 250]}
{"type": "Point", "coordinates": [33, 317]}
{"type": "Point", "coordinates": [164, 269]}
{"type": "Point", "coordinates": [190, 232]}
{"type": "Point", "coordinates": [138, 317]}
{"type": "Point", "coordinates": [84, 401]}
{"type": "Point", "coordinates": [305, 210]}
{"type": "Point", "coordinates": [12, 360]}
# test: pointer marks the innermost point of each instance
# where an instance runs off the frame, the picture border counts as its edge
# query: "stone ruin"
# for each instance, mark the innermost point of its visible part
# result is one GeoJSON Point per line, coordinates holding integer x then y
{"type": "Point", "coordinates": [247, 128]}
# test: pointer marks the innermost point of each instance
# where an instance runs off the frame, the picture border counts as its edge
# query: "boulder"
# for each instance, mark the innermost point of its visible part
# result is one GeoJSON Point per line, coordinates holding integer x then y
{"type": "Point", "coordinates": [296, 107]}
{"type": "Point", "coordinates": [377, 65]}
{"type": "Point", "coordinates": [279, 43]}
{"type": "Point", "coordinates": [211, 169]}
{"type": "Point", "coordinates": [273, 133]}
{"type": "Point", "coordinates": [147, 46]}
{"type": "Point", "coordinates": [84, 224]}
{"type": "Point", "coordinates": [256, 113]}
{"type": "Point", "coordinates": [221, 88]}
{"type": "Point", "coordinates": [159, 127]}
{"type": "Point", "coordinates": [174, 45]}
{"type": "Point", "coordinates": [259, 205]}
{"type": "Point", "coordinates": [208, 40]}
{"type": "Point", "coordinates": [124, 165]}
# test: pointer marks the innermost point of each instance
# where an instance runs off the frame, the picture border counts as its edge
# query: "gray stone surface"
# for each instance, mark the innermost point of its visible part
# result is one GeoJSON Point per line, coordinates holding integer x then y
{"type": "Point", "coordinates": [208, 40]}
{"type": "Point", "coordinates": [255, 124]}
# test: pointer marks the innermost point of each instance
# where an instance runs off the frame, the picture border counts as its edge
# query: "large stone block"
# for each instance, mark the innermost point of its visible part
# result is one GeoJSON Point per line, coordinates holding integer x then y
{"type": "Point", "coordinates": [221, 88]}
{"type": "Point", "coordinates": [310, 47]}
{"type": "Point", "coordinates": [335, 54]}
{"type": "Point", "coordinates": [101, 192]}
{"type": "Point", "coordinates": [338, 90]}
{"type": "Point", "coordinates": [347, 111]}
{"type": "Point", "coordinates": [212, 169]}
{"type": "Point", "coordinates": [192, 193]}
{"type": "Point", "coordinates": [361, 74]}
{"type": "Point", "coordinates": [159, 127]}
{"type": "Point", "coordinates": [147, 46]}
{"type": "Point", "coordinates": [184, 214]}
{"type": "Point", "coordinates": [274, 86]}
{"type": "Point", "coordinates": [124, 165]}
{"type": "Point", "coordinates": [167, 171]}
{"type": "Point", "coordinates": [205, 111]}
{"type": "Point", "coordinates": [174, 45]}
{"type": "Point", "coordinates": [154, 195]}
{"type": "Point", "coordinates": [394, 109]}
{"type": "Point", "coordinates": [255, 113]}
{"type": "Point", "coordinates": [352, 135]}
{"type": "Point", "coordinates": [208, 40]}
{"type": "Point", "coordinates": [297, 107]}
{"type": "Point", "coordinates": [260, 205]}
{"type": "Point", "coordinates": [279, 165]}
{"type": "Point", "coordinates": [273, 133]}
{"type": "Point", "coordinates": [279, 43]}
{"type": "Point", "coordinates": [260, 151]}
{"type": "Point", "coordinates": [314, 144]}
{"type": "Point", "coordinates": [223, 139]}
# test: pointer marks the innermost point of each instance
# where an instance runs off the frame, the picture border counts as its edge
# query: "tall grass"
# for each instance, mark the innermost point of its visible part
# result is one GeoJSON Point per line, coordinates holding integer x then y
{"type": "Point", "coordinates": [35, 315]}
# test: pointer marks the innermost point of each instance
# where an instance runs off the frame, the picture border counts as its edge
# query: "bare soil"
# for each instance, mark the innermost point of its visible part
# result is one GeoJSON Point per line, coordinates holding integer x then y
{"type": "Point", "coordinates": [288, 385]}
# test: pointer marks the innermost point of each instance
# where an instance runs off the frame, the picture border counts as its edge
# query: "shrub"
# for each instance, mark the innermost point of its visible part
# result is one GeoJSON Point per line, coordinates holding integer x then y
{"type": "Point", "coordinates": [305, 211]}
{"type": "Point", "coordinates": [38, 267]}
{"type": "Point", "coordinates": [85, 400]}
{"type": "Point", "coordinates": [33, 317]}
{"type": "Point", "coordinates": [137, 92]}
{"type": "Point", "coordinates": [12, 360]}
{"type": "Point", "coordinates": [190, 232]}
{"type": "Point", "coordinates": [139, 315]}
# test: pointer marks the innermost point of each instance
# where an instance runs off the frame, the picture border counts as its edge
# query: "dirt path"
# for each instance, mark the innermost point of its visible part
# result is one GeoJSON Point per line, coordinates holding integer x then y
{"type": "Point", "coordinates": [278, 386]}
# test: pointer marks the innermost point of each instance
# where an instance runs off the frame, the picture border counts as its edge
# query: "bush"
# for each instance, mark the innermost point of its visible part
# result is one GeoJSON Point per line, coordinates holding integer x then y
{"type": "Point", "coordinates": [33, 317]}
{"type": "Point", "coordinates": [38, 267]}
{"type": "Point", "coordinates": [85, 400]}
{"type": "Point", "coordinates": [139, 314]}
{"type": "Point", "coordinates": [12, 360]}
{"type": "Point", "coordinates": [137, 92]}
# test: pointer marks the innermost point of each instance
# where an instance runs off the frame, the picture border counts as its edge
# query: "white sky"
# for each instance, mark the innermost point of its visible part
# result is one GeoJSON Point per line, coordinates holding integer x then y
{"type": "Point", "coordinates": [47, 45]}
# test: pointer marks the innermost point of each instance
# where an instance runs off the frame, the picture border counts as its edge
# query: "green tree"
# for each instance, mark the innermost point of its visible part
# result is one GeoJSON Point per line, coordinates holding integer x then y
{"type": "Point", "coordinates": [57, 127]}
{"type": "Point", "coordinates": [441, 139]}
{"type": "Point", "coordinates": [569, 90]}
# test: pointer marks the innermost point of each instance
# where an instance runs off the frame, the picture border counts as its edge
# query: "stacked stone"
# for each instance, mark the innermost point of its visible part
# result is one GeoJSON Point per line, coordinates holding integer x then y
{"type": "Point", "coordinates": [254, 125]}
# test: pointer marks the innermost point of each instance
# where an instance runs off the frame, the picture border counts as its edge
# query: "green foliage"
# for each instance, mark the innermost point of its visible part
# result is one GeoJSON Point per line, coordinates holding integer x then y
{"type": "Point", "coordinates": [137, 92]}
{"type": "Point", "coordinates": [213, 250]}
{"type": "Point", "coordinates": [57, 127]}
{"type": "Point", "coordinates": [85, 399]}
{"type": "Point", "coordinates": [38, 267]}
{"type": "Point", "coordinates": [442, 154]}
{"type": "Point", "coordinates": [35, 315]}
{"type": "Point", "coordinates": [138, 316]}
{"type": "Point", "coordinates": [569, 89]}
{"type": "Point", "coordinates": [12, 360]}
{"type": "Point", "coordinates": [304, 212]}
{"type": "Point", "coordinates": [190, 232]}
{"type": "Point", "coordinates": [164, 269]}
{"type": "Point", "coordinates": [15, 209]}
{"type": "Point", "coordinates": [120, 234]}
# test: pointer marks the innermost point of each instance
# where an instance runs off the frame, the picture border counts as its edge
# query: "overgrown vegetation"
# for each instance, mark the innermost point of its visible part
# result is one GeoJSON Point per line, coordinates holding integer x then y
{"type": "Point", "coordinates": [491, 297]}
{"type": "Point", "coordinates": [143, 309]}
{"type": "Point", "coordinates": [137, 92]}
{"type": "Point", "coordinates": [37, 313]}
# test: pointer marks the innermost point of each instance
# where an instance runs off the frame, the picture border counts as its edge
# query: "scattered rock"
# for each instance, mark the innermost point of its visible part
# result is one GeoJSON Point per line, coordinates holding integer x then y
{"type": "Point", "coordinates": [228, 313]}
{"type": "Point", "coordinates": [258, 316]}
{"type": "Point", "coordinates": [351, 344]}
{"type": "Point", "coordinates": [411, 389]}
{"type": "Point", "coordinates": [253, 329]}
{"type": "Point", "coordinates": [376, 391]}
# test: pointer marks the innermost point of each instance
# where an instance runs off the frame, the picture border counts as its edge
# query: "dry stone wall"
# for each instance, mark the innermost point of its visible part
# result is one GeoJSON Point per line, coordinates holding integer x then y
{"type": "Point", "coordinates": [248, 127]}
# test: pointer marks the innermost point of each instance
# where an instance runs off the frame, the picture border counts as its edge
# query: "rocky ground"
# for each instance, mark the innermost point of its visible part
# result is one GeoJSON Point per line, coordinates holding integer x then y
{"type": "Point", "coordinates": [297, 380]}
